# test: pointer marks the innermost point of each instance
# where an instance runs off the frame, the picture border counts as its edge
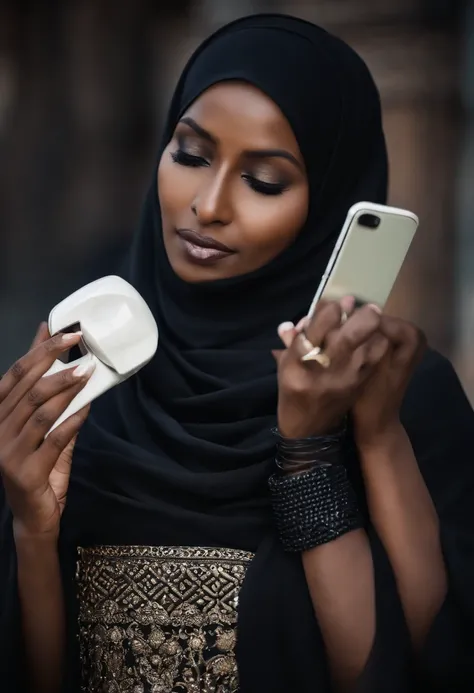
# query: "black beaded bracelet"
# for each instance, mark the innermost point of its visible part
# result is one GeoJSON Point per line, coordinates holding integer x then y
{"type": "Point", "coordinates": [314, 507]}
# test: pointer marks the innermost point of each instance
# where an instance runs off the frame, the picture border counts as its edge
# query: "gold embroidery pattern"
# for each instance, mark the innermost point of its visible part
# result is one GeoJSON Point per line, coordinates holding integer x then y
{"type": "Point", "coordinates": [159, 619]}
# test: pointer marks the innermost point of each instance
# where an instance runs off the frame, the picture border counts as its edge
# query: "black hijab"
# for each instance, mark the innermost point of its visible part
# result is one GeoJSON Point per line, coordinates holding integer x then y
{"type": "Point", "coordinates": [181, 453]}
{"type": "Point", "coordinates": [190, 435]}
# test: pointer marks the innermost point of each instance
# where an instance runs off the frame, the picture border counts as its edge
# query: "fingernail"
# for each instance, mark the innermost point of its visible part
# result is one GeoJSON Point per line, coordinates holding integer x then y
{"type": "Point", "coordinates": [376, 308]}
{"type": "Point", "coordinates": [84, 369]}
{"type": "Point", "coordinates": [70, 337]}
{"type": "Point", "coordinates": [285, 327]}
{"type": "Point", "coordinates": [348, 303]}
{"type": "Point", "coordinates": [302, 323]}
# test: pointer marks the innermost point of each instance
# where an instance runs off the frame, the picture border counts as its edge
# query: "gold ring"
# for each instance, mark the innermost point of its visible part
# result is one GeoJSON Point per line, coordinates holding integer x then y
{"type": "Point", "coordinates": [314, 353]}
{"type": "Point", "coordinates": [318, 355]}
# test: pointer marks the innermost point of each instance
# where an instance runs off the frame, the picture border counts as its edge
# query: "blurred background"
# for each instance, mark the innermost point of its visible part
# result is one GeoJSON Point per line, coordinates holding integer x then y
{"type": "Point", "coordinates": [84, 87]}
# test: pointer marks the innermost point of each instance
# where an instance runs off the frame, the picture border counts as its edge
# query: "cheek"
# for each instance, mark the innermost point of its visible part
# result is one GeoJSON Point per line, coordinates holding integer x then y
{"type": "Point", "coordinates": [175, 191]}
{"type": "Point", "coordinates": [270, 224]}
{"type": "Point", "coordinates": [264, 225]}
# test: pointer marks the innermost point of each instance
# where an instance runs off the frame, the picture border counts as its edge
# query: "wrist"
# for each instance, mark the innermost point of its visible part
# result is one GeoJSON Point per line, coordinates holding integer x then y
{"type": "Point", "coordinates": [314, 508]}
{"type": "Point", "coordinates": [298, 455]}
{"type": "Point", "coordinates": [25, 539]}
{"type": "Point", "coordinates": [384, 440]}
{"type": "Point", "coordinates": [295, 430]}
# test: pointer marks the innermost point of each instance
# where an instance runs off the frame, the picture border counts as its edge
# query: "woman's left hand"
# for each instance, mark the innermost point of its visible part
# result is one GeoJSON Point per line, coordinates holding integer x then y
{"type": "Point", "coordinates": [376, 412]}
{"type": "Point", "coordinates": [314, 397]}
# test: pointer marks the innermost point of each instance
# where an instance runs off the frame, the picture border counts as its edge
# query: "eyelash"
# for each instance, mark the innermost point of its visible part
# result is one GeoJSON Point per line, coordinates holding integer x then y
{"type": "Point", "coordinates": [264, 188]}
{"type": "Point", "coordinates": [184, 159]}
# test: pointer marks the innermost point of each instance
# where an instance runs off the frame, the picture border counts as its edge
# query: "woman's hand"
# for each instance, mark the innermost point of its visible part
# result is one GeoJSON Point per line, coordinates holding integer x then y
{"type": "Point", "coordinates": [376, 411]}
{"type": "Point", "coordinates": [35, 471]}
{"type": "Point", "coordinates": [313, 400]}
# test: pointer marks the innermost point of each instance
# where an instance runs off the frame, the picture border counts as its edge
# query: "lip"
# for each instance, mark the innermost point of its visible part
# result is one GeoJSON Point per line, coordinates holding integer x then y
{"type": "Point", "coordinates": [202, 249]}
{"type": "Point", "coordinates": [203, 241]}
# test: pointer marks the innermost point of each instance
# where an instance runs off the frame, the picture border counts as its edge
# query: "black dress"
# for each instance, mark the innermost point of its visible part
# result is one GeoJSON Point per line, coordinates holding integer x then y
{"type": "Point", "coordinates": [177, 459]}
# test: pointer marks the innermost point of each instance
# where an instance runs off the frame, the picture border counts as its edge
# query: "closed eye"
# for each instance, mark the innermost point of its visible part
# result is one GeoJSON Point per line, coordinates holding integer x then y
{"type": "Point", "coordinates": [185, 159]}
{"type": "Point", "coordinates": [263, 187]}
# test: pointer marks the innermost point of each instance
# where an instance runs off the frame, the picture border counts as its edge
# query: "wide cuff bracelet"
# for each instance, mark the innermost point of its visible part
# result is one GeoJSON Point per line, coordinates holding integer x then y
{"type": "Point", "coordinates": [314, 507]}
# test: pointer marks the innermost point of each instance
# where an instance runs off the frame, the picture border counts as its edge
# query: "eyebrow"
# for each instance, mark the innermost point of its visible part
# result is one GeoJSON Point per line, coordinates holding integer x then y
{"type": "Point", "coordinates": [198, 129]}
{"type": "Point", "coordinates": [254, 154]}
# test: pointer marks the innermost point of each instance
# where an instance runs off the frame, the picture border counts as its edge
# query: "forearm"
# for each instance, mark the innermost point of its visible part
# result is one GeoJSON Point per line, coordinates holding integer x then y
{"type": "Point", "coordinates": [42, 609]}
{"type": "Point", "coordinates": [341, 584]}
{"type": "Point", "coordinates": [339, 572]}
{"type": "Point", "coordinates": [403, 514]}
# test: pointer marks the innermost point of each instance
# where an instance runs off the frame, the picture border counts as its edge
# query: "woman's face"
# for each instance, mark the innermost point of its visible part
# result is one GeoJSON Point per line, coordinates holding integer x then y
{"type": "Point", "coordinates": [232, 185]}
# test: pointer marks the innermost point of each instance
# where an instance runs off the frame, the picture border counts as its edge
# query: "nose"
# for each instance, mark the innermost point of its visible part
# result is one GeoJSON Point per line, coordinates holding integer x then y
{"type": "Point", "coordinates": [212, 204]}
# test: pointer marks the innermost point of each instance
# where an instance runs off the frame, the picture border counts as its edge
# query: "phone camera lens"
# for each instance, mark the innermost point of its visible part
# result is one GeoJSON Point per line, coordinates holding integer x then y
{"type": "Point", "coordinates": [370, 221]}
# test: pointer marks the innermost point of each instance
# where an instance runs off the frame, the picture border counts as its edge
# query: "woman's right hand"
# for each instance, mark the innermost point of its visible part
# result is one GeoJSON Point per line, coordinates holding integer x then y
{"type": "Point", "coordinates": [35, 471]}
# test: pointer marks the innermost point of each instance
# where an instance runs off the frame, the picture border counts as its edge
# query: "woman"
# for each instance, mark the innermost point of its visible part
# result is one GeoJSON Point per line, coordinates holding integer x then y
{"type": "Point", "coordinates": [353, 574]}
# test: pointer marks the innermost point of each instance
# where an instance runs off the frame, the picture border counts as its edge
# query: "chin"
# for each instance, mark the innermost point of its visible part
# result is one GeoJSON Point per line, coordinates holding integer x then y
{"type": "Point", "coordinates": [194, 273]}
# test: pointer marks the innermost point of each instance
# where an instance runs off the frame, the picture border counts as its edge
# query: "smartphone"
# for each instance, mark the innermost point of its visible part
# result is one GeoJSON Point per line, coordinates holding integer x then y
{"type": "Point", "coordinates": [368, 255]}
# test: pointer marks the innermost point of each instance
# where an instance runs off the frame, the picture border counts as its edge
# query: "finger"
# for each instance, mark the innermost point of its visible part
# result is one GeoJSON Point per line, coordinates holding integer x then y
{"type": "Point", "coordinates": [375, 307]}
{"type": "Point", "coordinates": [43, 418]}
{"type": "Point", "coordinates": [286, 332]}
{"type": "Point", "coordinates": [58, 440]}
{"type": "Point", "coordinates": [42, 334]}
{"type": "Point", "coordinates": [407, 340]}
{"type": "Point", "coordinates": [342, 343]}
{"type": "Point", "coordinates": [376, 349]}
{"type": "Point", "coordinates": [348, 305]}
{"type": "Point", "coordinates": [322, 303]}
{"type": "Point", "coordinates": [326, 318]}
{"type": "Point", "coordinates": [302, 324]}
{"type": "Point", "coordinates": [45, 389]}
{"type": "Point", "coordinates": [368, 356]}
{"type": "Point", "coordinates": [25, 372]}
{"type": "Point", "coordinates": [398, 331]}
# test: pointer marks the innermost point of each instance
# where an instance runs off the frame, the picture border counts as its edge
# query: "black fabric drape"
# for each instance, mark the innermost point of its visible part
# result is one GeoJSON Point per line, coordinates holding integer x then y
{"type": "Point", "coordinates": [181, 453]}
